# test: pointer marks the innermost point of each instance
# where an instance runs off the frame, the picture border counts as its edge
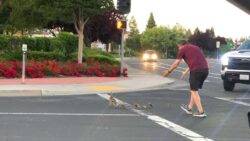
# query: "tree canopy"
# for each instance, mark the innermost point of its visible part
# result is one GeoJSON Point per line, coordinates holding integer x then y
{"type": "Point", "coordinates": [30, 14]}
{"type": "Point", "coordinates": [163, 39]}
{"type": "Point", "coordinates": [133, 27]}
{"type": "Point", "coordinates": [151, 21]}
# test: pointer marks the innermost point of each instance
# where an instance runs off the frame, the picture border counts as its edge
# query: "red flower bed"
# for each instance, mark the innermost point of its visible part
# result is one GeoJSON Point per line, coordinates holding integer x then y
{"type": "Point", "coordinates": [35, 69]}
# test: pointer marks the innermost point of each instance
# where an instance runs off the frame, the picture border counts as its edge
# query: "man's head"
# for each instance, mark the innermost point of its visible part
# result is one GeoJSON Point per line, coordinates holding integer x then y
{"type": "Point", "coordinates": [182, 42]}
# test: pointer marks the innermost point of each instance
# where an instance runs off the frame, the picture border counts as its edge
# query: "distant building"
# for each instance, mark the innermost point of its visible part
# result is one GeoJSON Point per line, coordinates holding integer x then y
{"type": "Point", "coordinates": [98, 45]}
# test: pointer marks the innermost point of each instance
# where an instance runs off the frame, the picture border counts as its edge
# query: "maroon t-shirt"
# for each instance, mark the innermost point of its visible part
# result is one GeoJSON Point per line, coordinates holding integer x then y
{"type": "Point", "coordinates": [193, 56]}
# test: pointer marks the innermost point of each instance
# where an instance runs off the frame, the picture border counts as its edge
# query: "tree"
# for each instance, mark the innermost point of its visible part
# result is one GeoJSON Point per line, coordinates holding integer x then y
{"type": "Point", "coordinates": [162, 39]}
{"type": "Point", "coordinates": [133, 27]}
{"type": "Point", "coordinates": [133, 41]}
{"type": "Point", "coordinates": [4, 15]}
{"type": "Point", "coordinates": [103, 27]}
{"type": "Point", "coordinates": [25, 15]}
{"type": "Point", "coordinates": [207, 41]}
{"type": "Point", "coordinates": [151, 21]}
{"type": "Point", "coordinates": [77, 11]}
{"type": "Point", "coordinates": [42, 12]}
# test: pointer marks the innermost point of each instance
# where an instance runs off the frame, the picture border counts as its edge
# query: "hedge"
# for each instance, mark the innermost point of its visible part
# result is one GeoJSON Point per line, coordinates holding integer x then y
{"type": "Point", "coordinates": [64, 43]}
{"type": "Point", "coordinates": [34, 55]}
{"type": "Point", "coordinates": [61, 48]}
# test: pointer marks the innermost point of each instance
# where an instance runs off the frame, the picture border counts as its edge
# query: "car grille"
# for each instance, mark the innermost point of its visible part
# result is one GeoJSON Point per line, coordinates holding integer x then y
{"type": "Point", "coordinates": [239, 63]}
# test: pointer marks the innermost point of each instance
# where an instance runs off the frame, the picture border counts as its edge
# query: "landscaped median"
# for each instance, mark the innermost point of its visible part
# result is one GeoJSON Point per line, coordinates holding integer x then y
{"type": "Point", "coordinates": [40, 69]}
{"type": "Point", "coordinates": [54, 57]}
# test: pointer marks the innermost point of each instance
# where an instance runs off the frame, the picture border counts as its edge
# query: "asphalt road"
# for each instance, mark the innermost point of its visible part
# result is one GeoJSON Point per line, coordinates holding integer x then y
{"type": "Point", "coordinates": [89, 118]}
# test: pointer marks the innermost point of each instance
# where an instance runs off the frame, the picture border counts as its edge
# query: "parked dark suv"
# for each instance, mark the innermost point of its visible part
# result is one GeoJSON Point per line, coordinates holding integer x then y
{"type": "Point", "coordinates": [236, 66]}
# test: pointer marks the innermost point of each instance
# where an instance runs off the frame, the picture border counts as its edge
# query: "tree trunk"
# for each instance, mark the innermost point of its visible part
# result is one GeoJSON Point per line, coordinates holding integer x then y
{"type": "Point", "coordinates": [110, 47]}
{"type": "Point", "coordinates": [80, 42]}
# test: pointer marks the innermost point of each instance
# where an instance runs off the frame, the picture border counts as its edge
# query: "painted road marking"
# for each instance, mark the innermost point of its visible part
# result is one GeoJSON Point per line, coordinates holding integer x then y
{"type": "Point", "coordinates": [69, 114]}
{"type": "Point", "coordinates": [163, 122]}
{"type": "Point", "coordinates": [105, 88]}
{"type": "Point", "coordinates": [233, 101]}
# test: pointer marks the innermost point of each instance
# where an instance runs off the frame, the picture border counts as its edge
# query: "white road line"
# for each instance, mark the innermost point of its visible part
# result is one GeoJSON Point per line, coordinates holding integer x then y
{"type": "Point", "coordinates": [68, 114]}
{"type": "Point", "coordinates": [163, 122]}
{"type": "Point", "coordinates": [233, 101]}
{"type": "Point", "coordinates": [243, 98]}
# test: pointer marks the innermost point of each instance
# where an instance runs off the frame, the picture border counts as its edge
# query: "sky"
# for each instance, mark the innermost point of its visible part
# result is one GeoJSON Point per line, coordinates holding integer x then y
{"type": "Point", "coordinates": [226, 19]}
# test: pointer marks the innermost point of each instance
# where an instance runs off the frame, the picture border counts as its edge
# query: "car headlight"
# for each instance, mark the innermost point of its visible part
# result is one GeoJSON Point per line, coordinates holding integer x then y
{"type": "Point", "coordinates": [145, 56]}
{"type": "Point", "coordinates": [224, 60]}
{"type": "Point", "coordinates": [154, 56]}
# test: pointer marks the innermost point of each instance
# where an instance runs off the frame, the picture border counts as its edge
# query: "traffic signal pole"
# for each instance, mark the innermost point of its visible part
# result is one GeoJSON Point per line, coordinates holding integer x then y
{"type": "Point", "coordinates": [124, 7]}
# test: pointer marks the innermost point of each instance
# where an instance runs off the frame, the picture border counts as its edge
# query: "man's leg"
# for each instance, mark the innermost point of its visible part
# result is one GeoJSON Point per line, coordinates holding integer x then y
{"type": "Point", "coordinates": [197, 101]}
{"type": "Point", "coordinates": [191, 101]}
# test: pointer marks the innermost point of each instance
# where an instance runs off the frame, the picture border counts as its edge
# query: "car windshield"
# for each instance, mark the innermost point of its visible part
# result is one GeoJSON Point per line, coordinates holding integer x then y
{"type": "Point", "coordinates": [150, 51]}
{"type": "Point", "coordinates": [245, 46]}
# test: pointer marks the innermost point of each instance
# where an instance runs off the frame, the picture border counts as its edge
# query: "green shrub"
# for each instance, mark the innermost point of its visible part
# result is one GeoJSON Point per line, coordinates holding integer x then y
{"type": "Point", "coordinates": [61, 48]}
{"type": "Point", "coordinates": [69, 43]}
{"type": "Point", "coordinates": [40, 56]}
{"type": "Point", "coordinates": [42, 44]}
{"type": "Point", "coordinates": [64, 43]}
{"type": "Point", "coordinates": [104, 59]}
{"type": "Point", "coordinates": [3, 42]}
{"type": "Point", "coordinates": [93, 52]}
{"type": "Point", "coordinates": [96, 55]}
{"type": "Point", "coordinates": [11, 55]}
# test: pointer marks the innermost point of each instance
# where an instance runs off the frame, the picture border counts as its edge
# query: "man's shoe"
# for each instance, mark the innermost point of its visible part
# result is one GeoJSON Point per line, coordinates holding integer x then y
{"type": "Point", "coordinates": [186, 109]}
{"type": "Point", "coordinates": [201, 115]}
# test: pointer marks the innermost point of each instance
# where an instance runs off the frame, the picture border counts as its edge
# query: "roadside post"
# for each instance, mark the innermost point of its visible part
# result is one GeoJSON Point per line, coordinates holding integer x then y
{"type": "Point", "coordinates": [24, 50]}
{"type": "Point", "coordinates": [124, 7]}
{"type": "Point", "coordinates": [218, 48]}
{"type": "Point", "coordinates": [121, 25]}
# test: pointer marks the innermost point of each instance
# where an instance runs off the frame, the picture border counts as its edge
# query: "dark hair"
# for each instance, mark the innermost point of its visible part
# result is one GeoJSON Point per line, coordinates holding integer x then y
{"type": "Point", "coordinates": [183, 42]}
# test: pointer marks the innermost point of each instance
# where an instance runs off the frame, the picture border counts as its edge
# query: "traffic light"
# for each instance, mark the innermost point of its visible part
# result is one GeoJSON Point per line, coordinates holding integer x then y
{"type": "Point", "coordinates": [121, 24]}
{"type": "Point", "coordinates": [124, 6]}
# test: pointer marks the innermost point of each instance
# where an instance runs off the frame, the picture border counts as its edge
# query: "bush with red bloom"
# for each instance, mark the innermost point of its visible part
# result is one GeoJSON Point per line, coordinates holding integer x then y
{"type": "Point", "coordinates": [10, 73]}
{"type": "Point", "coordinates": [72, 69]}
{"type": "Point", "coordinates": [2, 69]}
{"type": "Point", "coordinates": [52, 68]}
{"type": "Point", "coordinates": [94, 69]}
{"type": "Point", "coordinates": [35, 69]}
{"type": "Point", "coordinates": [16, 65]}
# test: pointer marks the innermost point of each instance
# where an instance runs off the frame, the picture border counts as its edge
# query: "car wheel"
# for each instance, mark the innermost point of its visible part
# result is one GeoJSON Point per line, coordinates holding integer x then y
{"type": "Point", "coordinates": [228, 86]}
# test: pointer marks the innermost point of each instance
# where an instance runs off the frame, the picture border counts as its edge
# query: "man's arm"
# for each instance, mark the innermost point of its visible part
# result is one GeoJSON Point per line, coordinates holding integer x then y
{"type": "Point", "coordinates": [172, 67]}
{"type": "Point", "coordinates": [184, 73]}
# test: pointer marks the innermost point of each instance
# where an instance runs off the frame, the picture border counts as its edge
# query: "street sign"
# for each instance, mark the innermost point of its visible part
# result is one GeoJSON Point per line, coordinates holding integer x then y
{"type": "Point", "coordinates": [24, 48]}
{"type": "Point", "coordinates": [218, 44]}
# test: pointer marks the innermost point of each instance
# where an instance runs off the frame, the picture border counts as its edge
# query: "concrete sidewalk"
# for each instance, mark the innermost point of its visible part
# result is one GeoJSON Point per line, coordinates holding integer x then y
{"type": "Point", "coordinates": [137, 80]}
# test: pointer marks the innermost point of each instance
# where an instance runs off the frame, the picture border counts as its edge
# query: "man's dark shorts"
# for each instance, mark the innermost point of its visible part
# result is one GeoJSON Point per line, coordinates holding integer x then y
{"type": "Point", "coordinates": [197, 78]}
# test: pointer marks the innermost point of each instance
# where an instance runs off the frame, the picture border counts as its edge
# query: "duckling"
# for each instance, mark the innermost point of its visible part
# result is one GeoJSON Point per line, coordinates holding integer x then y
{"type": "Point", "coordinates": [112, 101]}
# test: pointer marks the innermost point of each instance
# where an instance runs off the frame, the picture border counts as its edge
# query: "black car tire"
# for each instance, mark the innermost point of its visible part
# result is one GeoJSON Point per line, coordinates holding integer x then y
{"type": "Point", "coordinates": [228, 86]}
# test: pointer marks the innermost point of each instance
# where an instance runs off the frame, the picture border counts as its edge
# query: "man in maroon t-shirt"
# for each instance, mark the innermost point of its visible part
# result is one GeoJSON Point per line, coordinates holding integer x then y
{"type": "Point", "coordinates": [198, 67]}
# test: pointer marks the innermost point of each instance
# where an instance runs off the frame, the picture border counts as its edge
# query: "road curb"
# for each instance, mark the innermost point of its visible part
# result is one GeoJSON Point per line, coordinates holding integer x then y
{"type": "Point", "coordinates": [20, 93]}
{"type": "Point", "coordinates": [48, 93]}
